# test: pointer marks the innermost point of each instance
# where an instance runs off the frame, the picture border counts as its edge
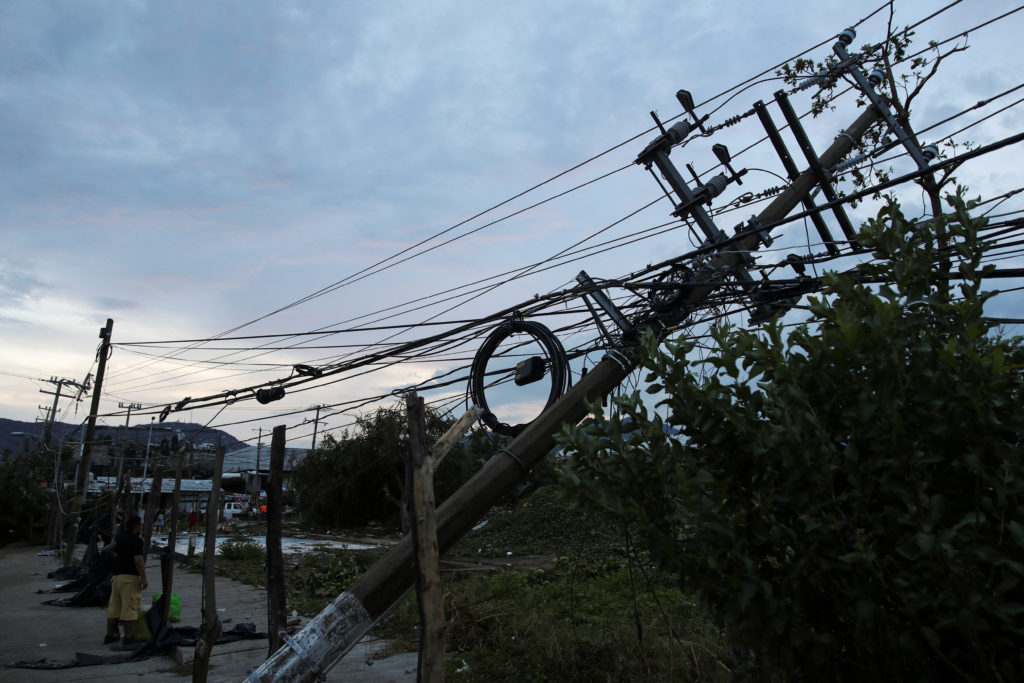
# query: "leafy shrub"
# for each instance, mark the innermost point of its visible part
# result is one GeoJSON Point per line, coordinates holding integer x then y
{"type": "Point", "coordinates": [236, 550]}
{"type": "Point", "coordinates": [845, 499]}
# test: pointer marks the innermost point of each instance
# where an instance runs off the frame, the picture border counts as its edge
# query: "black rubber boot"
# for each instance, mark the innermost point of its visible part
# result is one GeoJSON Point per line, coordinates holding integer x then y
{"type": "Point", "coordinates": [112, 634]}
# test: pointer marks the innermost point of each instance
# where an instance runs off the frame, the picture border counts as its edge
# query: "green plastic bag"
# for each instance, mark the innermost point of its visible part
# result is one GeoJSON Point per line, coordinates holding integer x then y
{"type": "Point", "coordinates": [141, 630]}
{"type": "Point", "coordinates": [174, 614]}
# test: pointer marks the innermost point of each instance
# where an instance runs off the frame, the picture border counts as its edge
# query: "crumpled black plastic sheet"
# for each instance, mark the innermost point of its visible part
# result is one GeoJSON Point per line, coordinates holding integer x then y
{"type": "Point", "coordinates": [178, 636]}
{"type": "Point", "coordinates": [93, 589]}
{"type": "Point", "coordinates": [81, 659]}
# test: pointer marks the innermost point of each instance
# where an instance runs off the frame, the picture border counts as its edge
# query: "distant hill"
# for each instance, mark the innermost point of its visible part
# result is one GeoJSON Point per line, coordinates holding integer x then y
{"type": "Point", "coordinates": [136, 433]}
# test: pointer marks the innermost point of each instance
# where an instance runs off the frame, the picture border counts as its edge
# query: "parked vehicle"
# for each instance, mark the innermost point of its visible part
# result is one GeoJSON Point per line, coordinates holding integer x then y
{"type": "Point", "coordinates": [232, 509]}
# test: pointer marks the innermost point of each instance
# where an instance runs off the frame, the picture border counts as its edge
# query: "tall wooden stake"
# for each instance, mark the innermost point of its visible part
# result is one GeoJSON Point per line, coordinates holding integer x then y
{"type": "Point", "coordinates": [210, 629]}
{"type": "Point", "coordinates": [156, 491]}
{"type": "Point", "coordinates": [424, 524]}
{"type": "Point", "coordinates": [431, 596]}
{"type": "Point", "coordinates": [172, 539]}
{"type": "Point", "coordinates": [276, 608]}
{"type": "Point", "coordinates": [82, 480]}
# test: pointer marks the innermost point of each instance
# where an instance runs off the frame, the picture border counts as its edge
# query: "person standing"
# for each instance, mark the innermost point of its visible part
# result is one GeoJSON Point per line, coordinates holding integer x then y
{"type": "Point", "coordinates": [128, 581]}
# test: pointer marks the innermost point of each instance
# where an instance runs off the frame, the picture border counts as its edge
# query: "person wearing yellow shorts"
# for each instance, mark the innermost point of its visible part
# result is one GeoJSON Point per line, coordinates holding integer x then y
{"type": "Point", "coordinates": [127, 582]}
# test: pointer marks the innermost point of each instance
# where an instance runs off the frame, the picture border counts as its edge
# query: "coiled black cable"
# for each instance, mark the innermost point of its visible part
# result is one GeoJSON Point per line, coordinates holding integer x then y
{"type": "Point", "coordinates": [556, 363]}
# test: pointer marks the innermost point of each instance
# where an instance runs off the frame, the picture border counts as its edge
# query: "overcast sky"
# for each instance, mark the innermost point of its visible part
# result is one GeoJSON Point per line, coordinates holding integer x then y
{"type": "Point", "coordinates": [186, 167]}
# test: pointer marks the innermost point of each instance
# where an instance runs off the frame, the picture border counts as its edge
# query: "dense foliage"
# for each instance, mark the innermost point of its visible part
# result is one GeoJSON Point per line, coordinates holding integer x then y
{"type": "Point", "coordinates": [845, 496]}
{"type": "Point", "coordinates": [26, 504]}
{"type": "Point", "coordinates": [359, 477]}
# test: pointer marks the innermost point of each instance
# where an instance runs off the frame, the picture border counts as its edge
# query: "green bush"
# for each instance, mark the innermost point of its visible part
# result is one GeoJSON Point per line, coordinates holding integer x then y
{"type": "Point", "coordinates": [845, 498]}
{"type": "Point", "coordinates": [242, 550]}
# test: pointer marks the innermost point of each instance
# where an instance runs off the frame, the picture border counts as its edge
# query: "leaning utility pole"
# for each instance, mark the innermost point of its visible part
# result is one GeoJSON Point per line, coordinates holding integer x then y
{"type": "Point", "coordinates": [51, 414]}
{"type": "Point", "coordinates": [329, 635]}
{"type": "Point", "coordinates": [53, 534]}
{"type": "Point", "coordinates": [82, 480]}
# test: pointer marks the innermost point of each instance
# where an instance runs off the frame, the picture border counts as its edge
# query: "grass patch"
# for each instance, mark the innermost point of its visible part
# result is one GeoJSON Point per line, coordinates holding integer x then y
{"type": "Point", "coordinates": [599, 614]}
{"type": "Point", "coordinates": [540, 524]}
{"type": "Point", "coordinates": [588, 619]}
{"type": "Point", "coordinates": [311, 582]}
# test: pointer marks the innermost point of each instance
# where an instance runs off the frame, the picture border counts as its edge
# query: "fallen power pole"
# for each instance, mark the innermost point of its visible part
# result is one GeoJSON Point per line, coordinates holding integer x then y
{"type": "Point", "coordinates": [329, 635]}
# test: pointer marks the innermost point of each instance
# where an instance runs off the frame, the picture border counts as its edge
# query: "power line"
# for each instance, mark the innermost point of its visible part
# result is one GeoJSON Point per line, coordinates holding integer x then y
{"type": "Point", "coordinates": [512, 198]}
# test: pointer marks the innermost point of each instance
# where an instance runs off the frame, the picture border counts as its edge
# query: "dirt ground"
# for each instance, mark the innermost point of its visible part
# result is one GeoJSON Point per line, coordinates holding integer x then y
{"type": "Point", "coordinates": [31, 631]}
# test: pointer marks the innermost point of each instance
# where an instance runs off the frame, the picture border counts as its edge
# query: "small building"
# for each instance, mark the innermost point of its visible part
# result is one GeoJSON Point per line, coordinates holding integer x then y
{"type": "Point", "coordinates": [253, 464]}
{"type": "Point", "coordinates": [194, 493]}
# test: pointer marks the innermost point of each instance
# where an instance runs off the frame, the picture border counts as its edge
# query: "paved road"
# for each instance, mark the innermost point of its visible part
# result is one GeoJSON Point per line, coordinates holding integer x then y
{"type": "Point", "coordinates": [30, 630]}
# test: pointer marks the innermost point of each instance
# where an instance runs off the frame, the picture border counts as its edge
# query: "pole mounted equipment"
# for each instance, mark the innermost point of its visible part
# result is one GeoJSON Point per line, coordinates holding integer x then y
{"type": "Point", "coordinates": [686, 100]}
{"type": "Point", "coordinates": [307, 371]}
{"type": "Point", "coordinates": [673, 286]}
{"type": "Point", "coordinates": [270, 394]}
{"type": "Point", "coordinates": [526, 372]}
{"type": "Point", "coordinates": [867, 85]}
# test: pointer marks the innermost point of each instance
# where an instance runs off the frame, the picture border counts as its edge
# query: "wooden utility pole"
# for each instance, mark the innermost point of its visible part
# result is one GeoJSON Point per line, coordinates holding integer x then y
{"type": "Point", "coordinates": [82, 480]}
{"type": "Point", "coordinates": [277, 619]}
{"type": "Point", "coordinates": [210, 630]}
{"type": "Point", "coordinates": [340, 625]}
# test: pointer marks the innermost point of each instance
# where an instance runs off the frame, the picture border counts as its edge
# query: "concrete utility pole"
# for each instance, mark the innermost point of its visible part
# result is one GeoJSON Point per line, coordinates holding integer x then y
{"type": "Point", "coordinates": [149, 441]}
{"type": "Point", "coordinates": [316, 425]}
{"type": "Point", "coordinates": [82, 480]}
{"type": "Point", "coordinates": [259, 447]}
{"type": "Point", "coordinates": [120, 467]}
{"type": "Point", "coordinates": [255, 495]}
{"type": "Point", "coordinates": [329, 635]}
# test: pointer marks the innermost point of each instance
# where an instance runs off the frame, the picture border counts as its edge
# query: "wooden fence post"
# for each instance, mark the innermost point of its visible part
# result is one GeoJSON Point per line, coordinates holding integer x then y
{"type": "Point", "coordinates": [172, 538]}
{"type": "Point", "coordinates": [276, 609]}
{"type": "Point", "coordinates": [155, 493]}
{"type": "Point", "coordinates": [210, 629]}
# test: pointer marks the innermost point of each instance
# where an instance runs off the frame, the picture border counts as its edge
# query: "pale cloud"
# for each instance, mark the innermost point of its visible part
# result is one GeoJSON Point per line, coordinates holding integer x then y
{"type": "Point", "coordinates": [188, 167]}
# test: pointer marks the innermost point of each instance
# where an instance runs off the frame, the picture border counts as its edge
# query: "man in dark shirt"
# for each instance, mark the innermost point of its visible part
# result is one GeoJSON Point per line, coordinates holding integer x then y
{"type": "Point", "coordinates": [128, 581]}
